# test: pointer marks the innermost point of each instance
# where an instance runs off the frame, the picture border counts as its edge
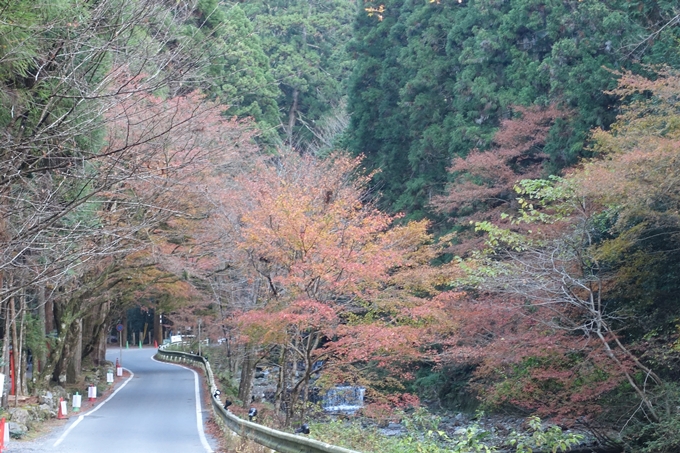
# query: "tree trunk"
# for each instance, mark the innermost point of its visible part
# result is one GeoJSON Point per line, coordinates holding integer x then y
{"type": "Point", "coordinates": [94, 333]}
{"type": "Point", "coordinates": [49, 316]}
{"type": "Point", "coordinates": [39, 360]}
{"type": "Point", "coordinates": [75, 362]}
{"type": "Point", "coordinates": [158, 326]}
{"type": "Point", "coordinates": [292, 115]}
{"type": "Point", "coordinates": [124, 337]}
{"type": "Point", "coordinates": [16, 353]}
{"type": "Point", "coordinates": [282, 382]}
{"type": "Point", "coordinates": [247, 372]}
{"type": "Point", "coordinates": [5, 355]}
{"type": "Point", "coordinates": [21, 357]}
{"type": "Point", "coordinates": [66, 313]}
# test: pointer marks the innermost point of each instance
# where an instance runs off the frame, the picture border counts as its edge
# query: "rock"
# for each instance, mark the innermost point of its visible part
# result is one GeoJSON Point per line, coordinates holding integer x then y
{"type": "Point", "coordinates": [460, 431]}
{"type": "Point", "coordinates": [19, 415]}
{"type": "Point", "coordinates": [392, 429]}
{"type": "Point", "coordinates": [59, 391]}
{"type": "Point", "coordinates": [17, 430]}
{"type": "Point", "coordinates": [39, 413]}
{"type": "Point", "coordinates": [47, 398]}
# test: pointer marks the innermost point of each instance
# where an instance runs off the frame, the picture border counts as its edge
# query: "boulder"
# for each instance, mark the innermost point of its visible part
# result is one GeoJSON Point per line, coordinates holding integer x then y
{"type": "Point", "coordinates": [47, 398]}
{"type": "Point", "coordinates": [39, 413]}
{"type": "Point", "coordinates": [17, 430]}
{"type": "Point", "coordinates": [19, 415]}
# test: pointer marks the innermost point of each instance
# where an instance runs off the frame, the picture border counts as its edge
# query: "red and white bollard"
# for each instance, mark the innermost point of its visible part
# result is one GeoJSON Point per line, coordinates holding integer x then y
{"type": "Point", "coordinates": [92, 393]}
{"type": "Point", "coordinates": [3, 430]}
{"type": "Point", "coordinates": [119, 369]}
{"type": "Point", "coordinates": [61, 413]}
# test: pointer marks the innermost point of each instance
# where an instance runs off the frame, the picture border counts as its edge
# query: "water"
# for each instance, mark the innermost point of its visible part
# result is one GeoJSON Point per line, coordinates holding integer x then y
{"type": "Point", "coordinates": [343, 399]}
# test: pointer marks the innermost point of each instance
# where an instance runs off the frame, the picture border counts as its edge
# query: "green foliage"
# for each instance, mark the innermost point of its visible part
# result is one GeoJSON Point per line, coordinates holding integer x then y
{"type": "Point", "coordinates": [659, 437]}
{"type": "Point", "coordinates": [550, 438]}
{"type": "Point", "coordinates": [239, 73]}
{"type": "Point", "coordinates": [219, 362]}
{"type": "Point", "coordinates": [541, 202]}
{"type": "Point", "coordinates": [422, 436]}
{"type": "Point", "coordinates": [36, 342]}
{"type": "Point", "coordinates": [305, 43]}
{"type": "Point", "coordinates": [446, 387]}
{"type": "Point", "coordinates": [349, 435]}
{"type": "Point", "coordinates": [20, 24]}
{"type": "Point", "coordinates": [432, 81]}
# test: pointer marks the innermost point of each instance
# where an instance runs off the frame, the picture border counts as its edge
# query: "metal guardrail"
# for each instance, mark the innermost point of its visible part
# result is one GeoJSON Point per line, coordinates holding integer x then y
{"type": "Point", "coordinates": [271, 438]}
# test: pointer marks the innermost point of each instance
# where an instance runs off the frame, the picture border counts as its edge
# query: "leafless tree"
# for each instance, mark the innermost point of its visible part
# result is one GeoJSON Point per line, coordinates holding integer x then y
{"type": "Point", "coordinates": [68, 207]}
{"type": "Point", "coordinates": [563, 275]}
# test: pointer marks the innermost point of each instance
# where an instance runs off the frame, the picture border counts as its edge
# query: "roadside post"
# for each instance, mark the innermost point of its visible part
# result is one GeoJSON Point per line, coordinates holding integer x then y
{"type": "Point", "coordinates": [2, 434]}
{"type": "Point", "coordinates": [62, 411]}
{"type": "Point", "coordinates": [119, 328]}
{"type": "Point", "coordinates": [77, 400]}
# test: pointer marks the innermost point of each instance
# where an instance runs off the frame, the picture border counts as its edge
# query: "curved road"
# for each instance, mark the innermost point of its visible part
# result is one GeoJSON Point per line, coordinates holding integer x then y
{"type": "Point", "coordinates": [156, 410]}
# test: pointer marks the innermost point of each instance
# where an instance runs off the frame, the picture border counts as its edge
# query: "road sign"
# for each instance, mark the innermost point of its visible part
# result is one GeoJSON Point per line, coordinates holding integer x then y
{"type": "Point", "coordinates": [119, 327]}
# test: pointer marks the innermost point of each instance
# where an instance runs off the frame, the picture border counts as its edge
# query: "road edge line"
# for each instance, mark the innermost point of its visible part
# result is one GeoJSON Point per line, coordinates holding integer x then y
{"type": "Point", "coordinates": [82, 416]}
{"type": "Point", "coordinates": [199, 406]}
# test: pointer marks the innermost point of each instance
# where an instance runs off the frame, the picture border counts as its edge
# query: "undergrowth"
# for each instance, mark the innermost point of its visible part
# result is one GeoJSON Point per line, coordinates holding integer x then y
{"type": "Point", "coordinates": [423, 435]}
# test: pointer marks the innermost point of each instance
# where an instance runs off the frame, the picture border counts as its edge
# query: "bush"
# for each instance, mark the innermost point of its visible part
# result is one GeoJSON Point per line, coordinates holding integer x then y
{"type": "Point", "coordinates": [661, 437]}
{"type": "Point", "coordinates": [550, 438]}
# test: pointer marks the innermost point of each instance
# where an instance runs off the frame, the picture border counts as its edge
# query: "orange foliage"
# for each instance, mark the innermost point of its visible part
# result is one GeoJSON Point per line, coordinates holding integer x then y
{"type": "Point", "coordinates": [638, 160]}
{"type": "Point", "coordinates": [168, 155]}
{"type": "Point", "coordinates": [334, 265]}
{"type": "Point", "coordinates": [486, 178]}
{"type": "Point", "coordinates": [523, 360]}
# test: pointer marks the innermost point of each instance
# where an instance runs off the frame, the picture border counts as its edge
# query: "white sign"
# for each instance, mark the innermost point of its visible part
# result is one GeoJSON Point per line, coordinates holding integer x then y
{"type": "Point", "coordinates": [77, 399]}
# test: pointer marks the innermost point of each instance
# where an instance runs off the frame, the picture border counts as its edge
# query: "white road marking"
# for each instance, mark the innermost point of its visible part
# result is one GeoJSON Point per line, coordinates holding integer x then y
{"type": "Point", "coordinates": [199, 409]}
{"type": "Point", "coordinates": [81, 417]}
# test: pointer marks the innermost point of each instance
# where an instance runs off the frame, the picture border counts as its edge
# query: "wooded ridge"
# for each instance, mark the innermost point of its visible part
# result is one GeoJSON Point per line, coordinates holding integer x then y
{"type": "Point", "coordinates": [460, 205]}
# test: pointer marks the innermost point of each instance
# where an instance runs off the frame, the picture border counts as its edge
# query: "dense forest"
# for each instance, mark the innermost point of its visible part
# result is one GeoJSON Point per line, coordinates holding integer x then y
{"type": "Point", "coordinates": [464, 204]}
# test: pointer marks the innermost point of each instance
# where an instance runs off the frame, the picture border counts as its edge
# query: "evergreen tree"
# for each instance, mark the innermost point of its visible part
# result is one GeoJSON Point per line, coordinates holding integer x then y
{"type": "Point", "coordinates": [433, 80]}
{"type": "Point", "coordinates": [305, 41]}
{"type": "Point", "coordinates": [239, 73]}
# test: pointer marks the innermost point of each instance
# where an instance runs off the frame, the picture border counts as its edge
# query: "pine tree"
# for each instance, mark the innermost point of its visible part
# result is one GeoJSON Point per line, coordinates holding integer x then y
{"type": "Point", "coordinates": [305, 41]}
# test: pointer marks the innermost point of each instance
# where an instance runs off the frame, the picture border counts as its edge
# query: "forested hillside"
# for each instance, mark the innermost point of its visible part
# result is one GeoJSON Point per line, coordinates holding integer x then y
{"type": "Point", "coordinates": [433, 80]}
{"type": "Point", "coordinates": [465, 205]}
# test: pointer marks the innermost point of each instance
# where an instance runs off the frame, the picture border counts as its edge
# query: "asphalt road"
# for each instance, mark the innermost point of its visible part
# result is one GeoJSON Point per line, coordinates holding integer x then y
{"type": "Point", "coordinates": [157, 410]}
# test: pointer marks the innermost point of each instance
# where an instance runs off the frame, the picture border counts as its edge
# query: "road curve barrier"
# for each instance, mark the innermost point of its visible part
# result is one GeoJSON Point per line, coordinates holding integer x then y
{"type": "Point", "coordinates": [270, 438]}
